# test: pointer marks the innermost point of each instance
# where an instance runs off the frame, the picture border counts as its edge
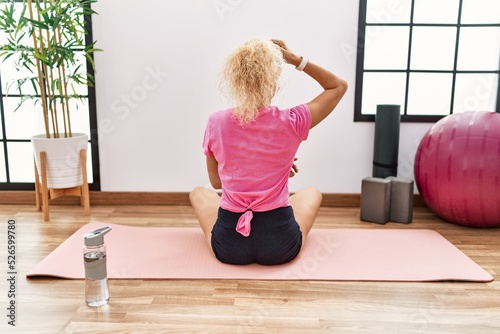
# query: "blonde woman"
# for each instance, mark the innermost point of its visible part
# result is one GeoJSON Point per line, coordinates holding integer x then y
{"type": "Point", "coordinates": [250, 152]}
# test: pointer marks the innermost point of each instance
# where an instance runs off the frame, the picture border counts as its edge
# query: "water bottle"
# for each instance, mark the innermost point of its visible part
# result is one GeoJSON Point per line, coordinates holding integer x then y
{"type": "Point", "coordinates": [94, 259]}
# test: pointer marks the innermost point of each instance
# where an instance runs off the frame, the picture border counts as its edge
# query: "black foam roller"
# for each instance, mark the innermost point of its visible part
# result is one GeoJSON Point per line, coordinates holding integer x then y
{"type": "Point", "coordinates": [386, 143]}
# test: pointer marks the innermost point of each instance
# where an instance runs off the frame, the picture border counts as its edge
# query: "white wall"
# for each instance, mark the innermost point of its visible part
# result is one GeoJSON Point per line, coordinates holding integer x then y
{"type": "Point", "coordinates": [157, 83]}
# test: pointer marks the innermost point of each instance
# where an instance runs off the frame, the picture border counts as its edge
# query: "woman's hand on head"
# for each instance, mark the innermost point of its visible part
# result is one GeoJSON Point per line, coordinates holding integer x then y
{"type": "Point", "coordinates": [334, 86]}
{"type": "Point", "coordinates": [288, 55]}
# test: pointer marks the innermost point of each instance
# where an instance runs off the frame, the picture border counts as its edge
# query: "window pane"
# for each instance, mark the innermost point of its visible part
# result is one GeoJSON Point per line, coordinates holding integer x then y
{"type": "Point", "coordinates": [433, 48]}
{"type": "Point", "coordinates": [10, 76]}
{"type": "Point", "coordinates": [21, 166]}
{"type": "Point", "coordinates": [475, 92]}
{"type": "Point", "coordinates": [382, 88]}
{"type": "Point", "coordinates": [23, 123]}
{"type": "Point", "coordinates": [79, 112]}
{"type": "Point", "coordinates": [429, 94]}
{"type": "Point", "coordinates": [432, 11]}
{"type": "Point", "coordinates": [480, 11]}
{"type": "Point", "coordinates": [388, 49]}
{"type": "Point", "coordinates": [1, 128]}
{"type": "Point", "coordinates": [9, 72]}
{"type": "Point", "coordinates": [17, 12]}
{"type": "Point", "coordinates": [479, 48]}
{"type": "Point", "coordinates": [388, 11]}
{"type": "Point", "coordinates": [3, 175]}
{"type": "Point", "coordinates": [27, 121]}
{"type": "Point", "coordinates": [79, 67]}
{"type": "Point", "coordinates": [3, 37]}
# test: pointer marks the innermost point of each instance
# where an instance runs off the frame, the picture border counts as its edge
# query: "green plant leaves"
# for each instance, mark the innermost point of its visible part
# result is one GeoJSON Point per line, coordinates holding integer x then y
{"type": "Point", "coordinates": [50, 45]}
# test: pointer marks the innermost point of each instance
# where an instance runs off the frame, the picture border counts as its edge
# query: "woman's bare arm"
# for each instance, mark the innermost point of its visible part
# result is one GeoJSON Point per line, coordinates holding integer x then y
{"type": "Point", "coordinates": [334, 87]}
{"type": "Point", "coordinates": [213, 172]}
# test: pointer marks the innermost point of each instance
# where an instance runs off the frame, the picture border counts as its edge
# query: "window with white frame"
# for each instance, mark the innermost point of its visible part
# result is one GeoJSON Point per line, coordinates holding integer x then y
{"type": "Point", "coordinates": [433, 58]}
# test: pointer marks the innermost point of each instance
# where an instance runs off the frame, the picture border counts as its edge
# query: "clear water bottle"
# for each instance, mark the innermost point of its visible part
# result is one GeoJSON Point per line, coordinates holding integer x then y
{"type": "Point", "coordinates": [94, 259]}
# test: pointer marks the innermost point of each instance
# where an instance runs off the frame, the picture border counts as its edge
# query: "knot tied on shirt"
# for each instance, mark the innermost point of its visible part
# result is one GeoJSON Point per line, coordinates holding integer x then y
{"type": "Point", "coordinates": [244, 223]}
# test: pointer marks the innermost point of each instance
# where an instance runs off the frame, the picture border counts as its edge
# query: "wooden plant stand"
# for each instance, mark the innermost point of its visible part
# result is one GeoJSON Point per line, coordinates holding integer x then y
{"type": "Point", "coordinates": [47, 194]}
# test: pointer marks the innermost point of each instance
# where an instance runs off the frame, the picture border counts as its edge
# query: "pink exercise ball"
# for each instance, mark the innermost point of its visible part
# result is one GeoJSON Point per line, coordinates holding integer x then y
{"type": "Point", "coordinates": [457, 168]}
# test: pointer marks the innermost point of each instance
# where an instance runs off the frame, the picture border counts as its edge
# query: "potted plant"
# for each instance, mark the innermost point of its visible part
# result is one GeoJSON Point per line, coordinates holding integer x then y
{"type": "Point", "coordinates": [46, 42]}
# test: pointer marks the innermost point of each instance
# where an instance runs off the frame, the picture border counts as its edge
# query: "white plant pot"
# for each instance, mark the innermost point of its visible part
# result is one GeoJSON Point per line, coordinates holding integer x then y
{"type": "Point", "coordinates": [64, 165]}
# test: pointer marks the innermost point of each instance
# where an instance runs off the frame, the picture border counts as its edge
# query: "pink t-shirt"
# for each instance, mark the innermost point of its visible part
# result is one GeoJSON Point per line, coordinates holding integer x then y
{"type": "Point", "coordinates": [255, 159]}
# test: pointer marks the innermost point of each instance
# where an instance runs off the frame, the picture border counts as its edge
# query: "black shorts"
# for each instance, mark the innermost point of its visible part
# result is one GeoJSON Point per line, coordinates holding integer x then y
{"type": "Point", "coordinates": [275, 238]}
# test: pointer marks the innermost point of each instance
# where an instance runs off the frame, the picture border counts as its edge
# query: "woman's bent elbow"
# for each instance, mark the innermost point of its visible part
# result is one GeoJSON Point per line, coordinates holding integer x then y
{"type": "Point", "coordinates": [344, 86]}
{"type": "Point", "coordinates": [216, 184]}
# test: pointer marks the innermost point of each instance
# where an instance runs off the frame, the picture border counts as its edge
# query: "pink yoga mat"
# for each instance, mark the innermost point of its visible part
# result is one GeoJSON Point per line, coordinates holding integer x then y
{"type": "Point", "coordinates": [330, 254]}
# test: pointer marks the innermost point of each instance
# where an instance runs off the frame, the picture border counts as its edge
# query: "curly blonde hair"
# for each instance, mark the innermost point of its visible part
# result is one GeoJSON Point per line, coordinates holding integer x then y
{"type": "Point", "coordinates": [251, 76]}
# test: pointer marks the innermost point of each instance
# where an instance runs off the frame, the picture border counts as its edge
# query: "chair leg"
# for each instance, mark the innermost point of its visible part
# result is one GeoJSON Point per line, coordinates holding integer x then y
{"type": "Point", "coordinates": [84, 199]}
{"type": "Point", "coordinates": [45, 191]}
{"type": "Point", "coordinates": [37, 189]}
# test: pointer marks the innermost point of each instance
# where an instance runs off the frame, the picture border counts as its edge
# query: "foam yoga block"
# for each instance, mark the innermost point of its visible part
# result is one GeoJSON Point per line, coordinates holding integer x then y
{"type": "Point", "coordinates": [386, 143]}
{"type": "Point", "coordinates": [375, 199]}
{"type": "Point", "coordinates": [401, 200]}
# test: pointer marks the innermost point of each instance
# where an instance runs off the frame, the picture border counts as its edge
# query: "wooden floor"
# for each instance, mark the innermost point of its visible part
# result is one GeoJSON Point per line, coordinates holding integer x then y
{"type": "Point", "coordinates": [232, 306]}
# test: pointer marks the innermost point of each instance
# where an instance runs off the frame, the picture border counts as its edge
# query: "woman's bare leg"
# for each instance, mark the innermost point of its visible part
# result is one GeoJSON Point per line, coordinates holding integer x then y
{"type": "Point", "coordinates": [205, 203]}
{"type": "Point", "coordinates": [305, 204]}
